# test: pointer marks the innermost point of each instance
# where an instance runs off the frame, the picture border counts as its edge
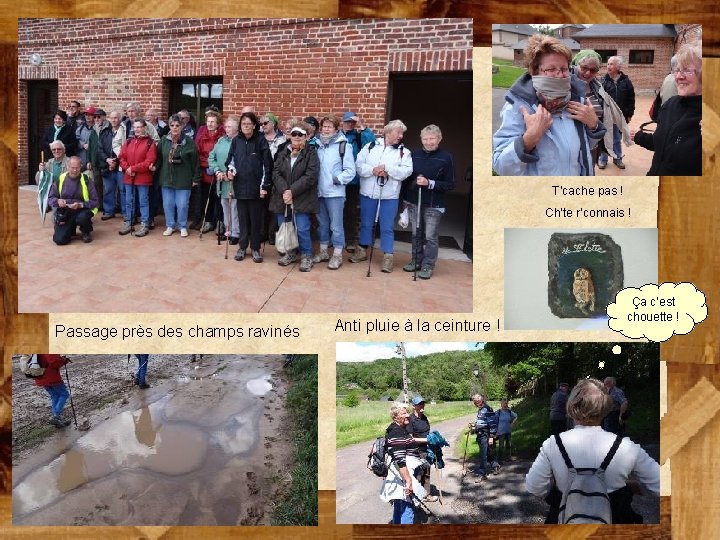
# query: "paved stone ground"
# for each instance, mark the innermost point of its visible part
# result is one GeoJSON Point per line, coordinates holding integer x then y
{"type": "Point", "coordinates": [172, 274]}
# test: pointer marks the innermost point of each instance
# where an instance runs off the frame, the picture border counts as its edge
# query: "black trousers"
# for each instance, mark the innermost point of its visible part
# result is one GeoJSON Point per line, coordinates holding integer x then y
{"type": "Point", "coordinates": [203, 193]}
{"type": "Point", "coordinates": [250, 217]}
{"type": "Point", "coordinates": [65, 229]}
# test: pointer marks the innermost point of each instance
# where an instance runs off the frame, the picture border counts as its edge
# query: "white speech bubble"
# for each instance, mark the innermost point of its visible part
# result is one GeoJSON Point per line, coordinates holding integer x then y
{"type": "Point", "coordinates": [657, 312]}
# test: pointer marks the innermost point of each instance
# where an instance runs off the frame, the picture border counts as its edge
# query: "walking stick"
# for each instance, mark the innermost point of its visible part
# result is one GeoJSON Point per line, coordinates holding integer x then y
{"type": "Point", "coordinates": [72, 405]}
{"type": "Point", "coordinates": [418, 238]}
{"type": "Point", "coordinates": [467, 438]}
{"type": "Point", "coordinates": [228, 229]}
{"type": "Point", "coordinates": [207, 203]}
{"type": "Point", "coordinates": [381, 180]}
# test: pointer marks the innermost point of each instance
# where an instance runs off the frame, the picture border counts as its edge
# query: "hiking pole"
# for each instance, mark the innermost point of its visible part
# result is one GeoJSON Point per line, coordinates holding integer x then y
{"type": "Point", "coordinates": [424, 507]}
{"type": "Point", "coordinates": [228, 229]}
{"type": "Point", "coordinates": [207, 203]}
{"type": "Point", "coordinates": [417, 239]}
{"type": "Point", "coordinates": [132, 206]}
{"type": "Point", "coordinates": [377, 218]}
{"type": "Point", "coordinates": [72, 404]}
{"type": "Point", "coordinates": [467, 438]}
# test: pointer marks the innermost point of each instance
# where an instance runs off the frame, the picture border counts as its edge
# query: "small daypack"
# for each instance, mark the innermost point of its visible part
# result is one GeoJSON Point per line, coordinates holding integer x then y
{"type": "Point", "coordinates": [376, 458]}
{"type": "Point", "coordinates": [30, 366]}
{"type": "Point", "coordinates": [586, 500]}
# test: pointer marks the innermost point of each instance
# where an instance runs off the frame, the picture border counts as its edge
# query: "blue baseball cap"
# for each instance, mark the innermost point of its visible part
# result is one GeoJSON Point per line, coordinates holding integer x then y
{"type": "Point", "coordinates": [417, 400]}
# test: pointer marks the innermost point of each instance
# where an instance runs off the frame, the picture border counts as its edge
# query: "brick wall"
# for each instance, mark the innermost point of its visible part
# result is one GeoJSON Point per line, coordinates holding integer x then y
{"type": "Point", "coordinates": [288, 66]}
{"type": "Point", "coordinates": [645, 78]}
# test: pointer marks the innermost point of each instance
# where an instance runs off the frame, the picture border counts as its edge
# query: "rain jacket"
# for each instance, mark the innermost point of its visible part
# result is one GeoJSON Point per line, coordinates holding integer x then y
{"type": "Point", "coordinates": [398, 165]}
{"type": "Point", "coordinates": [205, 142]}
{"type": "Point", "coordinates": [565, 148]}
{"type": "Point", "coordinates": [438, 167]}
{"type": "Point", "coordinates": [301, 180]}
{"type": "Point", "coordinates": [178, 175]}
{"type": "Point", "coordinates": [333, 166]}
{"type": "Point", "coordinates": [677, 141]}
{"type": "Point", "coordinates": [139, 154]}
{"type": "Point", "coordinates": [216, 161]}
{"type": "Point", "coordinates": [252, 162]}
{"type": "Point", "coordinates": [52, 364]}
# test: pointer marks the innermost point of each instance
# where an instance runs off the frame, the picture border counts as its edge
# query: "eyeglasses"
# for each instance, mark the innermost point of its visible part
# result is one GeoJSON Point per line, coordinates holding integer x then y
{"type": "Point", "coordinates": [56, 149]}
{"type": "Point", "coordinates": [264, 123]}
{"type": "Point", "coordinates": [592, 70]}
{"type": "Point", "coordinates": [296, 134]}
{"type": "Point", "coordinates": [685, 72]}
{"type": "Point", "coordinates": [555, 71]}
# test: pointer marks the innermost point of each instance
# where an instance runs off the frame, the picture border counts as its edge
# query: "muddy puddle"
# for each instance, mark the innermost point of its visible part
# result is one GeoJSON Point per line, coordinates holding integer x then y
{"type": "Point", "coordinates": [195, 455]}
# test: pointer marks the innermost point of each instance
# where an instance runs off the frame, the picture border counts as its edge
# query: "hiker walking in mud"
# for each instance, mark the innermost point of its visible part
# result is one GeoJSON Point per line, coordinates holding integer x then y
{"type": "Point", "coordinates": [142, 371]}
{"type": "Point", "coordinates": [53, 384]}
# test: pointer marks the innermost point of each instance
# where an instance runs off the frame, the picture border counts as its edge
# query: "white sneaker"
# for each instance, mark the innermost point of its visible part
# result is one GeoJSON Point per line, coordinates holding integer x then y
{"type": "Point", "coordinates": [168, 231]}
{"type": "Point", "coordinates": [183, 232]}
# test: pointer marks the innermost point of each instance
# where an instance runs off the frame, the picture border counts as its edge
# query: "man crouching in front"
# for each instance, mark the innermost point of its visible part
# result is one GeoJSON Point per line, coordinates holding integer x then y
{"type": "Point", "coordinates": [75, 202]}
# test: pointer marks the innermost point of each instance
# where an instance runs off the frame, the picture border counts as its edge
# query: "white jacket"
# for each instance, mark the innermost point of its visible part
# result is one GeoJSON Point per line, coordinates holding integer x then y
{"type": "Point", "coordinates": [393, 487]}
{"type": "Point", "coordinates": [398, 165]}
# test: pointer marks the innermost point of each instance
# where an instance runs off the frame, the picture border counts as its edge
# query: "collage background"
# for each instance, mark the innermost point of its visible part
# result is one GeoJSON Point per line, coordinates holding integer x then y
{"type": "Point", "coordinates": [688, 223]}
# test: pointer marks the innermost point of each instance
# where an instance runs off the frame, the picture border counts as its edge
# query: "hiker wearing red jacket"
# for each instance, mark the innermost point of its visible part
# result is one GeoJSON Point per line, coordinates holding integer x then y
{"type": "Point", "coordinates": [53, 384]}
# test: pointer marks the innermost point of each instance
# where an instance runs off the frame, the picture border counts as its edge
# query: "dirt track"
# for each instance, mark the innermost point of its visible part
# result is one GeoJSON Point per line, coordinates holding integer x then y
{"type": "Point", "coordinates": [204, 445]}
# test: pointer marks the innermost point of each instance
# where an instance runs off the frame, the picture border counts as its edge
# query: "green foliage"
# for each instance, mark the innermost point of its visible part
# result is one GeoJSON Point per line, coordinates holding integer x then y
{"type": "Point", "coordinates": [445, 376]}
{"type": "Point", "coordinates": [351, 400]}
{"type": "Point", "coordinates": [545, 29]}
{"type": "Point", "coordinates": [370, 419]}
{"type": "Point", "coordinates": [299, 505]}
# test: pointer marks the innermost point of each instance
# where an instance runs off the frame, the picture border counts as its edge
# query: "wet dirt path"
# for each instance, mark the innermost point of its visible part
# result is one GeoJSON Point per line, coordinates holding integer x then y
{"type": "Point", "coordinates": [206, 447]}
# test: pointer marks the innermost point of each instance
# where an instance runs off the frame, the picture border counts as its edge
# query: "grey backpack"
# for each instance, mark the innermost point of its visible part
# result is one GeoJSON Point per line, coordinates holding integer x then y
{"type": "Point", "coordinates": [30, 366]}
{"type": "Point", "coordinates": [586, 500]}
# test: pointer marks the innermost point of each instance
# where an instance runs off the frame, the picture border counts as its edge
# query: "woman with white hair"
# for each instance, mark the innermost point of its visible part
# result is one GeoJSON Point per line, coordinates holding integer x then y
{"type": "Point", "coordinates": [382, 166]}
{"type": "Point", "coordinates": [677, 141]}
{"type": "Point", "coordinates": [401, 487]}
{"type": "Point", "coordinates": [587, 445]}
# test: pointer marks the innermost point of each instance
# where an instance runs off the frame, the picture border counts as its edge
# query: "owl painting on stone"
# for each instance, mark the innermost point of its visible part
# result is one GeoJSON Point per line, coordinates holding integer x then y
{"type": "Point", "coordinates": [584, 291]}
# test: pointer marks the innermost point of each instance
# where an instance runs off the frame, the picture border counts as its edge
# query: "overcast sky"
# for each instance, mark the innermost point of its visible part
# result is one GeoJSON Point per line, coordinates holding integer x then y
{"type": "Point", "coordinates": [367, 352]}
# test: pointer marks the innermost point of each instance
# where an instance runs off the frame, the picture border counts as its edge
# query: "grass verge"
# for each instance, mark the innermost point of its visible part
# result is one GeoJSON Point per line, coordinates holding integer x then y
{"type": "Point", "coordinates": [299, 506]}
{"type": "Point", "coordinates": [507, 73]}
{"type": "Point", "coordinates": [370, 418]}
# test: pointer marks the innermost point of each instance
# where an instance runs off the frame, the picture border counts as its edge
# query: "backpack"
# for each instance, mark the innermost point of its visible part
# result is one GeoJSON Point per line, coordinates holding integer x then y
{"type": "Point", "coordinates": [341, 149]}
{"type": "Point", "coordinates": [30, 366]}
{"type": "Point", "coordinates": [376, 458]}
{"type": "Point", "coordinates": [586, 500]}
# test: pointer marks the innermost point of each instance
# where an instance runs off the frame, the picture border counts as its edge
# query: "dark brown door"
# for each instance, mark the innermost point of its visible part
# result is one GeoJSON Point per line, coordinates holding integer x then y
{"type": "Point", "coordinates": [42, 104]}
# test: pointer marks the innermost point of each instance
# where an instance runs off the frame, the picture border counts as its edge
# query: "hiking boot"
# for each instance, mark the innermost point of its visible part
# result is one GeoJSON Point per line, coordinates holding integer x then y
{"type": "Point", "coordinates": [360, 255]}
{"type": "Point", "coordinates": [58, 422]}
{"type": "Point", "coordinates": [240, 255]}
{"type": "Point", "coordinates": [306, 263]}
{"type": "Point", "coordinates": [321, 256]}
{"type": "Point", "coordinates": [335, 262]}
{"type": "Point", "coordinates": [234, 240]}
{"type": "Point", "coordinates": [126, 228]}
{"type": "Point", "coordinates": [430, 498]}
{"type": "Point", "coordinates": [207, 227]}
{"type": "Point", "coordinates": [143, 386]}
{"type": "Point", "coordinates": [351, 248]}
{"type": "Point", "coordinates": [287, 259]}
{"type": "Point", "coordinates": [257, 258]}
{"type": "Point", "coordinates": [387, 264]}
{"type": "Point", "coordinates": [411, 267]}
{"type": "Point", "coordinates": [184, 233]}
{"type": "Point", "coordinates": [195, 225]}
{"type": "Point", "coordinates": [105, 217]}
{"type": "Point", "coordinates": [86, 237]}
{"type": "Point", "coordinates": [425, 273]}
{"type": "Point", "coordinates": [619, 163]}
{"type": "Point", "coordinates": [144, 229]}
{"type": "Point", "coordinates": [151, 225]}
{"type": "Point", "coordinates": [602, 165]}
{"type": "Point", "coordinates": [168, 231]}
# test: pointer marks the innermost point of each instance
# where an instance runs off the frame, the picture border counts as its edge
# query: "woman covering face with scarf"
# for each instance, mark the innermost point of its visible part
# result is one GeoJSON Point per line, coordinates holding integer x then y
{"type": "Point", "coordinates": [548, 128]}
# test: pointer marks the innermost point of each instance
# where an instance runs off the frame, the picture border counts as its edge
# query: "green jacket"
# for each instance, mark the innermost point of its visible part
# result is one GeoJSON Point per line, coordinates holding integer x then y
{"type": "Point", "coordinates": [185, 169]}
{"type": "Point", "coordinates": [216, 161]}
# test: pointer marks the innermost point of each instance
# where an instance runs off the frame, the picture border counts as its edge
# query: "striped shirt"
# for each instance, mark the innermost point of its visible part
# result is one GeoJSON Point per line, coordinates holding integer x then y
{"type": "Point", "coordinates": [400, 444]}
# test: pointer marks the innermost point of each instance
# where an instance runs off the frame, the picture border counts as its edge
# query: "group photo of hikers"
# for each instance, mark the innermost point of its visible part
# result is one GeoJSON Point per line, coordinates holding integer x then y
{"type": "Point", "coordinates": [231, 168]}
{"type": "Point", "coordinates": [164, 439]}
{"type": "Point", "coordinates": [497, 433]}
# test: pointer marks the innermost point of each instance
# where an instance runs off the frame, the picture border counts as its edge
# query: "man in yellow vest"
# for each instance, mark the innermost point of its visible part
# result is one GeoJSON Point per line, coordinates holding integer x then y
{"type": "Point", "coordinates": [75, 201]}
